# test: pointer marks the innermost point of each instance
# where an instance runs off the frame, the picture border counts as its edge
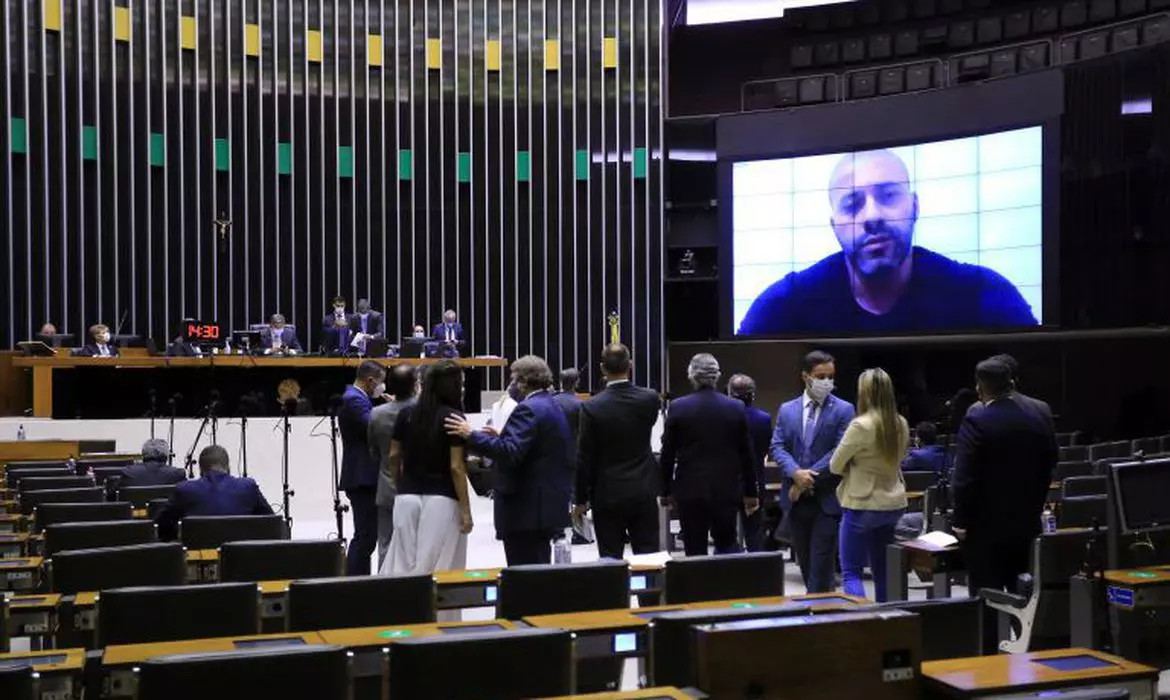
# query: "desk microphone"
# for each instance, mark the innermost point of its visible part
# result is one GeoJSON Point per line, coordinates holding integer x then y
{"type": "Point", "coordinates": [122, 322]}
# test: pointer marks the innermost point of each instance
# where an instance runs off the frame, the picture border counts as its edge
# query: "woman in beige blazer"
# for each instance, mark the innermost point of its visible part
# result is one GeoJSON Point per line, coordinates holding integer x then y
{"type": "Point", "coordinates": [872, 493]}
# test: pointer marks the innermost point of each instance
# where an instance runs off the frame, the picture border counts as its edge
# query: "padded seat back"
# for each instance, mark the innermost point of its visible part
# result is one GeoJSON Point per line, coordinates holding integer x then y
{"type": "Point", "coordinates": [1105, 450]}
{"type": "Point", "coordinates": [158, 564]}
{"type": "Point", "coordinates": [1074, 453]}
{"type": "Point", "coordinates": [1067, 439]}
{"type": "Point", "coordinates": [723, 577]}
{"type": "Point", "coordinates": [103, 474]}
{"type": "Point", "coordinates": [18, 682]}
{"type": "Point", "coordinates": [30, 500]}
{"type": "Point", "coordinates": [1081, 511]}
{"type": "Point", "coordinates": [112, 460]}
{"type": "Point", "coordinates": [285, 671]}
{"type": "Point", "coordinates": [1067, 470]}
{"type": "Point", "coordinates": [211, 531]}
{"type": "Point", "coordinates": [141, 496]}
{"type": "Point", "coordinates": [266, 560]}
{"type": "Point", "coordinates": [1076, 486]}
{"type": "Point", "coordinates": [363, 601]}
{"type": "Point", "coordinates": [44, 483]}
{"type": "Point", "coordinates": [918, 481]}
{"type": "Point", "coordinates": [1056, 557]}
{"type": "Point", "coordinates": [13, 477]}
{"type": "Point", "coordinates": [952, 628]}
{"type": "Point", "coordinates": [546, 589]}
{"type": "Point", "coordinates": [64, 537]}
{"type": "Point", "coordinates": [1147, 446]}
{"type": "Point", "coordinates": [165, 613]}
{"type": "Point", "coordinates": [52, 513]}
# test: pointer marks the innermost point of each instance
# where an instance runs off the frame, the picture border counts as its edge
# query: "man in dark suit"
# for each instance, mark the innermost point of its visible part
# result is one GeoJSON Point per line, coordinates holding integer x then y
{"type": "Point", "coordinates": [708, 471]}
{"type": "Point", "coordinates": [365, 324]}
{"type": "Point", "coordinates": [336, 332]}
{"type": "Point", "coordinates": [567, 398]}
{"type": "Point", "coordinates": [1004, 458]}
{"type": "Point", "coordinates": [808, 429]}
{"type": "Point", "coordinates": [533, 466]}
{"type": "Point", "coordinates": [929, 456]}
{"type": "Point", "coordinates": [215, 492]}
{"type": "Point", "coordinates": [1036, 406]}
{"type": "Point", "coordinates": [359, 470]}
{"type": "Point", "coordinates": [743, 387]}
{"type": "Point", "coordinates": [615, 466]}
{"type": "Point", "coordinates": [278, 339]}
{"type": "Point", "coordinates": [153, 470]}
{"type": "Point", "coordinates": [448, 335]}
{"type": "Point", "coordinates": [99, 345]}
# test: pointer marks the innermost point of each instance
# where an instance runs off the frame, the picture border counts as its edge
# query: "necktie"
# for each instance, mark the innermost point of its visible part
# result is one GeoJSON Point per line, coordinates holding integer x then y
{"type": "Point", "coordinates": [810, 424]}
{"type": "Point", "coordinates": [450, 333]}
{"type": "Point", "coordinates": [363, 324]}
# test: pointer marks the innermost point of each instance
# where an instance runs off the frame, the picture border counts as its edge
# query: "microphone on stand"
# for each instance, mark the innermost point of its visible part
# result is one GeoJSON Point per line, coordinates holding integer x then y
{"type": "Point", "coordinates": [338, 507]}
{"type": "Point", "coordinates": [213, 406]}
{"type": "Point", "coordinates": [174, 403]}
{"type": "Point", "coordinates": [287, 409]}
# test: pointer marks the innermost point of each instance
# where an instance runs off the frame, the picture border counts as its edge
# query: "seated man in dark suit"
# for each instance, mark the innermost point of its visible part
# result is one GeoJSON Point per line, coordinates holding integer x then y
{"type": "Point", "coordinates": [449, 335]}
{"type": "Point", "coordinates": [153, 470]}
{"type": "Point", "coordinates": [215, 492]}
{"type": "Point", "coordinates": [928, 456]}
{"type": "Point", "coordinates": [100, 345]}
{"type": "Point", "coordinates": [279, 339]}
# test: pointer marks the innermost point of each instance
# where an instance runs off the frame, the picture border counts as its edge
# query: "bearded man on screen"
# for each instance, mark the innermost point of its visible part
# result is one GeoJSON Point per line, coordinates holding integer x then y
{"type": "Point", "coordinates": [881, 281]}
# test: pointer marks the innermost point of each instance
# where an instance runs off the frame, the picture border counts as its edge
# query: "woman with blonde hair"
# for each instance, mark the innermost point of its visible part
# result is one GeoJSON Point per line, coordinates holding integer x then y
{"type": "Point", "coordinates": [872, 492]}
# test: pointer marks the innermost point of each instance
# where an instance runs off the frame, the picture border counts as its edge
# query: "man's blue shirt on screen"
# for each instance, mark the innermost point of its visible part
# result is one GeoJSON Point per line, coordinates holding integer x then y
{"type": "Point", "coordinates": [942, 295]}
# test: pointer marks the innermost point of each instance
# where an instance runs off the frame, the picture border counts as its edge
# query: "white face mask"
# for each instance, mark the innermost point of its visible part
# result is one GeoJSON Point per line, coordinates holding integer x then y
{"type": "Point", "coordinates": [419, 334]}
{"type": "Point", "coordinates": [379, 390]}
{"type": "Point", "coordinates": [819, 389]}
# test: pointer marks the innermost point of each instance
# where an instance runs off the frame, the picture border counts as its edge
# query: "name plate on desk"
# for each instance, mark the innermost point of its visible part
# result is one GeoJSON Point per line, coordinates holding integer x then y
{"type": "Point", "coordinates": [1121, 597]}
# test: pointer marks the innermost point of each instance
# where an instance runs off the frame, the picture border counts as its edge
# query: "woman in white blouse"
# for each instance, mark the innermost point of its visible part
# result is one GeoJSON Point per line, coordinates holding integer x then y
{"type": "Point", "coordinates": [872, 492]}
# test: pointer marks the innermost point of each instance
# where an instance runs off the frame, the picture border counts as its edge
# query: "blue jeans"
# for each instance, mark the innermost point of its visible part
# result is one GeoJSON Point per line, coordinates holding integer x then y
{"type": "Point", "coordinates": [863, 540]}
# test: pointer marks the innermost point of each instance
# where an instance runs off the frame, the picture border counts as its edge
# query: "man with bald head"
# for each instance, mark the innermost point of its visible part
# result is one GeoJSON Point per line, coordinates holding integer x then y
{"type": "Point", "coordinates": [880, 281]}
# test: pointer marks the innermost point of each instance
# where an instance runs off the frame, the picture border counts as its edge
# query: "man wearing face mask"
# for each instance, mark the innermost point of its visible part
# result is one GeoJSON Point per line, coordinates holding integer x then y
{"type": "Point", "coordinates": [279, 339]}
{"type": "Point", "coordinates": [359, 471]}
{"type": "Point", "coordinates": [449, 335]}
{"type": "Point", "coordinates": [336, 330]}
{"type": "Point", "coordinates": [808, 429]}
{"type": "Point", "coordinates": [100, 347]}
{"type": "Point", "coordinates": [366, 324]}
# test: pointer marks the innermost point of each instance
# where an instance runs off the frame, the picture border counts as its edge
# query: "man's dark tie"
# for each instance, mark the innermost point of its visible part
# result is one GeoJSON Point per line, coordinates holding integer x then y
{"type": "Point", "coordinates": [363, 324]}
{"type": "Point", "coordinates": [810, 424]}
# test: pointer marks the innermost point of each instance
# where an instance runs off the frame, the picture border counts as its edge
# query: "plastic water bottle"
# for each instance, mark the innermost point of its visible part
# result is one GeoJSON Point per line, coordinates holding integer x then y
{"type": "Point", "coordinates": [1048, 520]}
{"type": "Point", "coordinates": [563, 548]}
{"type": "Point", "coordinates": [20, 432]}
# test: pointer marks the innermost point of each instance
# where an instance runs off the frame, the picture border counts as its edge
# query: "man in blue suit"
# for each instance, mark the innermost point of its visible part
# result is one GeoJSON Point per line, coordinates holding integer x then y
{"type": "Point", "coordinates": [215, 492]}
{"type": "Point", "coordinates": [278, 338]}
{"type": "Point", "coordinates": [743, 387]}
{"type": "Point", "coordinates": [708, 471]}
{"type": "Point", "coordinates": [533, 466]}
{"type": "Point", "coordinates": [928, 456]}
{"type": "Point", "coordinates": [808, 429]}
{"type": "Point", "coordinates": [359, 470]}
{"type": "Point", "coordinates": [448, 335]}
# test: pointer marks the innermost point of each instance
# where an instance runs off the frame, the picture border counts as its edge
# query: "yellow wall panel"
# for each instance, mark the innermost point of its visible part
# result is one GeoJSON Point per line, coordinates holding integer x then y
{"type": "Point", "coordinates": [493, 54]}
{"type": "Point", "coordinates": [188, 31]}
{"type": "Point", "coordinates": [122, 24]}
{"type": "Point", "coordinates": [374, 54]}
{"type": "Point", "coordinates": [552, 54]}
{"type": "Point", "coordinates": [53, 15]}
{"type": "Point", "coordinates": [315, 45]}
{"type": "Point", "coordinates": [434, 53]}
{"type": "Point", "coordinates": [252, 39]}
{"type": "Point", "coordinates": [609, 52]}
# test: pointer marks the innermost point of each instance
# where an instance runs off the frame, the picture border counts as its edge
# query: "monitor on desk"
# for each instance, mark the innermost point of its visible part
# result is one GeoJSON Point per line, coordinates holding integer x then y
{"type": "Point", "coordinates": [1139, 490]}
{"type": "Point", "coordinates": [248, 340]}
{"type": "Point", "coordinates": [55, 340]}
{"type": "Point", "coordinates": [129, 340]}
{"type": "Point", "coordinates": [35, 348]}
{"type": "Point", "coordinates": [413, 347]}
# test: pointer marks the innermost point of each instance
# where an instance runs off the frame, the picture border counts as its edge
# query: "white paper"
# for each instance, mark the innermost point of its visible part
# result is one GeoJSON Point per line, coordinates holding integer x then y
{"type": "Point", "coordinates": [938, 538]}
{"type": "Point", "coordinates": [657, 559]}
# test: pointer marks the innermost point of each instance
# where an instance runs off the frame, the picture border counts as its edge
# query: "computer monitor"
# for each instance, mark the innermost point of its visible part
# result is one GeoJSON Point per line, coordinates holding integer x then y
{"type": "Point", "coordinates": [35, 348]}
{"type": "Point", "coordinates": [246, 340]}
{"type": "Point", "coordinates": [412, 347]}
{"type": "Point", "coordinates": [55, 340]}
{"type": "Point", "coordinates": [128, 340]}
{"type": "Point", "coordinates": [377, 347]}
{"type": "Point", "coordinates": [1139, 491]}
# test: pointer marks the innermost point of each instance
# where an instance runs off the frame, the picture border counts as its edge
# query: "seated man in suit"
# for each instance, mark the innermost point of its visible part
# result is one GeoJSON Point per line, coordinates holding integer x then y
{"type": "Point", "coordinates": [215, 492]}
{"type": "Point", "coordinates": [365, 323]}
{"type": "Point", "coordinates": [153, 470]}
{"type": "Point", "coordinates": [928, 456]}
{"type": "Point", "coordinates": [449, 335]}
{"type": "Point", "coordinates": [100, 345]}
{"type": "Point", "coordinates": [279, 339]}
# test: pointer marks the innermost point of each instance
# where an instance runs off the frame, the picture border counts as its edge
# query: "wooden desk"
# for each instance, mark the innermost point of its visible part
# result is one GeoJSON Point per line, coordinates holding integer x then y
{"type": "Point", "coordinates": [8, 507]}
{"type": "Point", "coordinates": [645, 694]}
{"type": "Point", "coordinates": [12, 523]}
{"type": "Point", "coordinates": [475, 588]}
{"type": "Point", "coordinates": [28, 450]}
{"type": "Point", "coordinates": [20, 574]}
{"type": "Point", "coordinates": [13, 545]}
{"type": "Point", "coordinates": [33, 616]}
{"type": "Point", "coordinates": [60, 670]}
{"type": "Point", "coordinates": [43, 369]}
{"type": "Point", "coordinates": [1023, 673]}
{"type": "Point", "coordinates": [119, 660]}
{"type": "Point", "coordinates": [928, 561]}
{"type": "Point", "coordinates": [1138, 588]}
{"type": "Point", "coordinates": [202, 565]}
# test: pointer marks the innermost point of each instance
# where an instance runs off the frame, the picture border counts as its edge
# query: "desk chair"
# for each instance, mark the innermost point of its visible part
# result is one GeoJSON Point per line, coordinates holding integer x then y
{"type": "Point", "coordinates": [672, 638]}
{"type": "Point", "coordinates": [30, 500]}
{"type": "Point", "coordinates": [91, 446]}
{"type": "Point", "coordinates": [22, 464]}
{"type": "Point", "coordinates": [918, 481]}
{"type": "Point", "coordinates": [63, 537]}
{"type": "Point", "coordinates": [1147, 446]}
{"type": "Point", "coordinates": [1068, 439]}
{"type": "Point", "coordinates": [167, 613]}
{"type": "Point", "coordinates": [212, 531]}
{"type": "Point", "coordinates": [157, 564]}
{"type": "Point", "coordinates": [548, 589]}
{"type": "Point", "coordinates": [291, 672]}
{"type": "Point", "coordinates": [141, 496]}
{"type": "Point", "coordinates": [13, 477]}
{"type": "Point", "coordinates": [5, 642]}
{"type": "Point", "coordinates": [524, 663]}
{"type": "Point", "coordinates": [1074, 453]}
{"type": "Point", "coordinates": [47, 514]}
{"type": "Point", "coordinates": [1067, 470]}
{"type": "Point", "coordinates": [332, 603]}
{"type": "Point", "coordinates": [265, 560]}
{"type": "Point", "coordinates": [1041, 603]}
{"type": "Point", "coordinates": [103, 474]}
{"type": "Point", "coordinates": [84, 464]}
{"type": "Point", "coordinates": [723, 577]}
{"type": "Point", "coordinates": [1076, 486]}
{"type": "Point", "coordinates": [19, 682]}
{"type": "Point", "coordinates": [1081, 511]}
{"type": "Point", "coordinates": [154, 507]}
{"type": "Point", "coordinates": [1105, 450]}
{"type": "Point", "coordinates": [952, 628]}
{"type": "Point", "coordinates": [29, 484]}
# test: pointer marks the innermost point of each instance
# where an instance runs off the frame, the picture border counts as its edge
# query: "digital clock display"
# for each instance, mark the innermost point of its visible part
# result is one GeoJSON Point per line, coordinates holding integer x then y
{"type": "Point", "coordinates": [201, 331]}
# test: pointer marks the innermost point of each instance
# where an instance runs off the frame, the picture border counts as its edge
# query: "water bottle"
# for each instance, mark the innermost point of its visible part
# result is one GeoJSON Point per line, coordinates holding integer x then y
{"type": "Point", "coordinates": [1048, 520]}
{"type": "Point", "coordinates": [20, 432]}
{"type": "Point", "coordinates": [562, 548]}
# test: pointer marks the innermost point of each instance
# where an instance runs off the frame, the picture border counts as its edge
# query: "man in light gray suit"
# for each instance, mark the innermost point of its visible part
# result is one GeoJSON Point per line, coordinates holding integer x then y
{"type": "Point", "coordinates": [401, 385]}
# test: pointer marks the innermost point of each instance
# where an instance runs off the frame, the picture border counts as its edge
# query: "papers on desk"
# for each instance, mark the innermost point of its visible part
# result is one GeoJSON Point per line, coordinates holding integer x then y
{"type": "Point", "coordinates": [938, 539]}
{"type": "Point", "coordinates": [657, 559]}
